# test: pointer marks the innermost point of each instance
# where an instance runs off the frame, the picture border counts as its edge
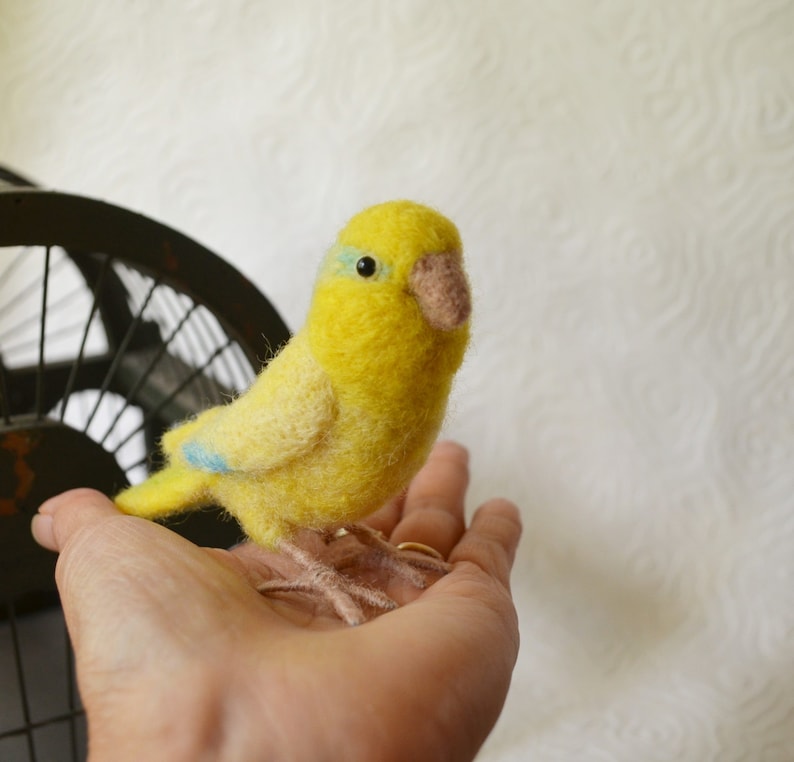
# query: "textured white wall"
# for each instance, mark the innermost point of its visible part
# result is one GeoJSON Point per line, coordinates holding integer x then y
{"type": "Point", "coordinates": [621, 172]}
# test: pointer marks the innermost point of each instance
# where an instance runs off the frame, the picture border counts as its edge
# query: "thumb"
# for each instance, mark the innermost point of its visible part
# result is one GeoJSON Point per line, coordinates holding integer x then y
{"type": "Point", "coordinates": [74, 524]}
{"type": "Point", "coordinates": [64, 517]}
{"type": "Point", "coordinates": [128, 578]}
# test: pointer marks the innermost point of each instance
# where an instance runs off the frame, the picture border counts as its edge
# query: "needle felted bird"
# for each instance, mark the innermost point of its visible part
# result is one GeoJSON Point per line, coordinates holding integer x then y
{"type": "Point", "coordinates": [346, 413]}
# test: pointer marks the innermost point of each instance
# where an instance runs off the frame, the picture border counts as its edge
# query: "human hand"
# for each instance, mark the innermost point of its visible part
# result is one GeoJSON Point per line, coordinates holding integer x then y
{"type": "Point", "coordinates": [178, 657]}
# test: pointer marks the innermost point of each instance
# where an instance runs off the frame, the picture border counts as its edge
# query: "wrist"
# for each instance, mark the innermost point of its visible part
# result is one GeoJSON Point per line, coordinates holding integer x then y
{"type": "Point", "coordinates": [176, 717]}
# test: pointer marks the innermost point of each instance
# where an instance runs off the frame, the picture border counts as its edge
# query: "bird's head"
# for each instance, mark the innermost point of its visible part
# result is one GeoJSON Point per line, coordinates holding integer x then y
{"type": "Point", "coordinates": [395, 276]}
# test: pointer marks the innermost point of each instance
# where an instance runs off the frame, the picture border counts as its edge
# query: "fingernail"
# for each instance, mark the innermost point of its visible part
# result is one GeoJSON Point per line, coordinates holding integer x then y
{"type": "Point", "coordinates": [451, 446]}
{"type": "Point", "coordinates": [42, 531]}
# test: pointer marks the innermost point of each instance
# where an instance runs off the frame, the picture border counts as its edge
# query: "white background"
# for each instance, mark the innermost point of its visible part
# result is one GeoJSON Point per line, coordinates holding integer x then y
{"type": "Point", "coordinates": [623, 177]}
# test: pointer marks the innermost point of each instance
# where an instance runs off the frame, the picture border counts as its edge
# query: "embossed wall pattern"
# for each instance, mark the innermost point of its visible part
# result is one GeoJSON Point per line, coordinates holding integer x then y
{"type": "Point", "coordinates": [621, 173]}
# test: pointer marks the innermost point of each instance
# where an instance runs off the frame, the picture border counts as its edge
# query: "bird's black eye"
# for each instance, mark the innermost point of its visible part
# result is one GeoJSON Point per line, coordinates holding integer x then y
{"type": "Point", "coordinates": [366, 267]}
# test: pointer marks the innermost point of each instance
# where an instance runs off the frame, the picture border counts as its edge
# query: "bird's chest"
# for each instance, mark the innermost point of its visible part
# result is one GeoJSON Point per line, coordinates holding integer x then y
{"type": "Point", "coordinates": [365, 459]}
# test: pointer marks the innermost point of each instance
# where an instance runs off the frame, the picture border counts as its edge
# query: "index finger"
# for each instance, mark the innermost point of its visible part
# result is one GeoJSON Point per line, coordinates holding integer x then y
{"type": "Point", "coordinates": [492, 539]}
{"type": "Point", "coordinates": [433, 507]}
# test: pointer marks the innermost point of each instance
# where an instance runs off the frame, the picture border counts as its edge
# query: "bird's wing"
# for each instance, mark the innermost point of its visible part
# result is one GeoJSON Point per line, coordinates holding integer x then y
{"type": "Point", "coordinates": [287, 411]}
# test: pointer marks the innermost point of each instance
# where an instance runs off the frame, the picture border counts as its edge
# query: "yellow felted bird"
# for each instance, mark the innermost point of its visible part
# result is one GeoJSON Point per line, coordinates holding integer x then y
{"type": "Point", "coordinates": [346, 413]}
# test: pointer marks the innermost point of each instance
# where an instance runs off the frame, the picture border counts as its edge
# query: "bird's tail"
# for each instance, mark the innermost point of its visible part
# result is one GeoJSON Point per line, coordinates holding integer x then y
{"type": "Point", "coordinates": [167, 492]}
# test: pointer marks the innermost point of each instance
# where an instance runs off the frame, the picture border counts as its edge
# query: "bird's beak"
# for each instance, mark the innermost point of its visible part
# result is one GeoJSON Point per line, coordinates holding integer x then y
{"type": "Point", "coordinates": [441, 289]}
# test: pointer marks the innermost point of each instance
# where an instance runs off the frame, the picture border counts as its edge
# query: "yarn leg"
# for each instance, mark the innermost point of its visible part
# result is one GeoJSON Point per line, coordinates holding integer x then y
{"type": "Point", "coordinates": [323, 581]}
{"type": "Point", "coordinates": [406, 562]}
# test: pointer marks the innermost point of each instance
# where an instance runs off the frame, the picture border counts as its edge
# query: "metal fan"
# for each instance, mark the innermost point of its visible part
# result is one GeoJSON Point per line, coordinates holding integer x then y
{"type": "Point", "coordinates": [112, 327]}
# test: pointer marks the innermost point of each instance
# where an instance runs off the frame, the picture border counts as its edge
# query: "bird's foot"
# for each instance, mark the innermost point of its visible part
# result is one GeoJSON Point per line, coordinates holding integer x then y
{"type": "Point", "coordinates": [410, 561]}
{"type": "Point", "coordinates": [324, 581]}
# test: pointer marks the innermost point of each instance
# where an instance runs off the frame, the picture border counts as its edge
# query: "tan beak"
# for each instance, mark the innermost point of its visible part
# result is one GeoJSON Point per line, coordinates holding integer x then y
{"type": "Point", "coordinates": [442, 291]}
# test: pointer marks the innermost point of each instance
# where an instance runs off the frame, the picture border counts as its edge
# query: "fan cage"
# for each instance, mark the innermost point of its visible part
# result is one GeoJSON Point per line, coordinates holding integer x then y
{"type": "Point", "coordinates": [51, 318]}
{"type": "Point", "coordinates": [112, 327]}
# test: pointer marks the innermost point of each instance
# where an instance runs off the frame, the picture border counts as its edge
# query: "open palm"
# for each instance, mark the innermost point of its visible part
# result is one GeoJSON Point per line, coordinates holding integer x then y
{"type": "Point", "coordinates": [179, 657]}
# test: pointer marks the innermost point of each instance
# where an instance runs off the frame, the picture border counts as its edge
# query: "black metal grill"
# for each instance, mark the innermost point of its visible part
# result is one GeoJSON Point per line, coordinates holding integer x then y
{"type": "Point", "coordinates": [112, 327]}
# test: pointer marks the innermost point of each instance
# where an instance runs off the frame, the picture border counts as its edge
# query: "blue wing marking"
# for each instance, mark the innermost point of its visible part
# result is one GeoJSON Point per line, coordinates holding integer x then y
{"type": "Point", "coordinates": [198, 457]}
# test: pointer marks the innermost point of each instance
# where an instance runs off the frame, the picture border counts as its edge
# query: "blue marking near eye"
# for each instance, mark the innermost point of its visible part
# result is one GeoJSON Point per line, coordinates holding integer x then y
{"type": "Point", "coordinates": [348, 256]}
{"type": "Point", "coordinates": [198, 457]}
